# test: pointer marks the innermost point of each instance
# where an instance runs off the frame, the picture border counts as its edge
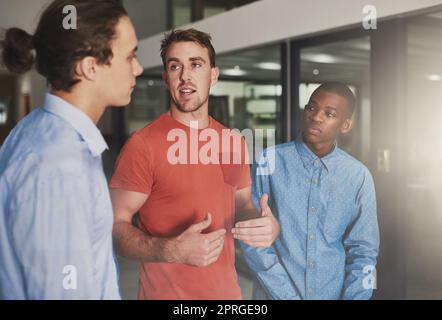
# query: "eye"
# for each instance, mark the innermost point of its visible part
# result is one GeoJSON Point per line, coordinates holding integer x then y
{"type": "Point", "coordinates": [330, 114]}
{"type": "Point", "coordinates": [174, 67]}
{"type": "Point", "coordinates": [310, 107]}
{"type": "Point", "coordinates": [197, 65]}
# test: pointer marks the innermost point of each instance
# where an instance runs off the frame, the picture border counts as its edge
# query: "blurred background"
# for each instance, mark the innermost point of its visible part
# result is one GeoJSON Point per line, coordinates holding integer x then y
{"type": "Point", "coordinates": [272, 55]}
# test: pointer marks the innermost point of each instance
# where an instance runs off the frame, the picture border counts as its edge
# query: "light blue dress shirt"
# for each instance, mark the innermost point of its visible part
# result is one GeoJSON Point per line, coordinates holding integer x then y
{"type": "Point", "coordinates": [329, 238]}
{"type": "Point", "coordinates": [55, 209]}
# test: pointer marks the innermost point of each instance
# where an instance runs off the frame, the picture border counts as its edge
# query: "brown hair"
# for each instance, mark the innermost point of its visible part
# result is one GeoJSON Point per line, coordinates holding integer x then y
{"type": "Point", "coordinates": [58, 50]}
{"type": "Point", "coordinates": [192, 35]}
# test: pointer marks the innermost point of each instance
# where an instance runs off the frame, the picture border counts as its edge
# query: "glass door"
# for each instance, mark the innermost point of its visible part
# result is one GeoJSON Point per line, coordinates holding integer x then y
{"type": "Point", "coordinates": [343, 60]}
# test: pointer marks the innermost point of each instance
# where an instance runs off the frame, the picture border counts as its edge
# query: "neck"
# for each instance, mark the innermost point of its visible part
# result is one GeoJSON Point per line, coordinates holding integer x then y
{"type": "Point", "coordinates": [320, 149]}
{"type": "Point", "coordinates": [201, 116]}
{"type": "Point", "coordinates": [82, 102]}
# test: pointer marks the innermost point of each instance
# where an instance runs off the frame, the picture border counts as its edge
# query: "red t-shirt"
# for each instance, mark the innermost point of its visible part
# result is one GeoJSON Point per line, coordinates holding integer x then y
{"type": "Point", "coordinates": [182, 194]}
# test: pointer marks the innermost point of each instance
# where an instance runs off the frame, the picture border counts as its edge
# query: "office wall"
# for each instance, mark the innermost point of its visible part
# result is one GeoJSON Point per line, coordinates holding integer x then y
{"type": "Point", "coordinates": [21, 13]}
{"type": "Point", "coordinates": [268, 21]}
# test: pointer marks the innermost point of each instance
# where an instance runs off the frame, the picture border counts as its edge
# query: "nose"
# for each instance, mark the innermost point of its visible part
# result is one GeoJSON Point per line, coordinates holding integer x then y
{"type": "Point", "coordinates": [138, 68]}
{"type": "Point", "coordinates": [317, 116]}
{"type": "Point", "coordinates": [185, 74]}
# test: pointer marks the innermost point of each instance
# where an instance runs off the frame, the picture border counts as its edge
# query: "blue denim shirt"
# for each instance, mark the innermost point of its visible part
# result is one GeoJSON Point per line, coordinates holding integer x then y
{"type": "Point", "coordinates": [55, 209]}
{"type": "Point", "coordinates": [329, 238]}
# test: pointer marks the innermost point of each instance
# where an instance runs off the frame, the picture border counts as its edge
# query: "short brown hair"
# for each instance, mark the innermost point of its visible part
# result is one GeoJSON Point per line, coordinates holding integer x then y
{"type": "Point", "coordinates": [58, 50]}
{"type": "Point", "coordinates": [192, 35]}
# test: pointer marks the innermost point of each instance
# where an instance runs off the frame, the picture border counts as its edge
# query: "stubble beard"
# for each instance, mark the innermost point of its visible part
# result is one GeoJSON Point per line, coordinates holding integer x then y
{"type": "Point", "coordinates": [191, 107]}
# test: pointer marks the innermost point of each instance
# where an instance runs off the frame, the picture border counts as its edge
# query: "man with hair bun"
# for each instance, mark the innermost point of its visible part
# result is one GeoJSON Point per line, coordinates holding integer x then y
{"type": "Point", "coordinates": [55, 210]}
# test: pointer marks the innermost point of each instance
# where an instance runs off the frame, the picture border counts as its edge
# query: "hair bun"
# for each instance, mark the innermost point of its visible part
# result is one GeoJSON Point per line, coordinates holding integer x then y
{"type": "Point", "coordinates": [17, 50]}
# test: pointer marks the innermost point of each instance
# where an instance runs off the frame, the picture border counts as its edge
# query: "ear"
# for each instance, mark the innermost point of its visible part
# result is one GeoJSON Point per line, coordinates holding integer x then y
{"type": "Point", "coordinates": [215, 75]}
{"type": "Point", "coordinates": [347, 126]}
{"type": "Point", "coordinates": [87, 68]}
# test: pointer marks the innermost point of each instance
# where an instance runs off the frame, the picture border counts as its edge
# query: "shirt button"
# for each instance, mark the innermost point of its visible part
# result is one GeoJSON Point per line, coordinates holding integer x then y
{"type": "Point", "coordinates": [312, 209]}
{"type": "Point", "coordinates": [310, 291]}
{"type": "Point", "coordinates": [311, 237]}
{"type": "Point", "coordinates": [311, 265]}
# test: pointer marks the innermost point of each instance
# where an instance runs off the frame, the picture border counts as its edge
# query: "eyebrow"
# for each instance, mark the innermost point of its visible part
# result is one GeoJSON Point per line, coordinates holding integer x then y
{"type": "Point", "coordinates": [327, 107]}
{"type": "Point", "coordinates": [190, 59]}
{"type": "Point", "coordinates": [197, 59]}
{"type": "Point", "coordinates": [169, 60]}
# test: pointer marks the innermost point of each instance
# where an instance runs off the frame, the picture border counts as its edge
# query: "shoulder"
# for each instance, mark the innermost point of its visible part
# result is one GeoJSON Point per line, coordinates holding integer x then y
{"type": "Point", "coordinates": [215, 124]}
{"type": "Point", "coordinates": [281, 151]}
{"type": "Point", "coordinates": [42, 141]}
{"type": "Point", "coordinates": [353, 166]}
{"type": "Point", "coordinates": [275, 156]}
{"type": "Point", "coordinates": [48, 168]}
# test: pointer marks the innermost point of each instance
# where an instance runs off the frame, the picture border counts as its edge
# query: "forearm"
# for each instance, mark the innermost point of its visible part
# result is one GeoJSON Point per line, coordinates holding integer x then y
{"type": "Point", "coordinates": [132, 243]}
{"type": "Point", "coordinates": [270, 272]}
{"type": "Point", "coordinates": [360, 273]}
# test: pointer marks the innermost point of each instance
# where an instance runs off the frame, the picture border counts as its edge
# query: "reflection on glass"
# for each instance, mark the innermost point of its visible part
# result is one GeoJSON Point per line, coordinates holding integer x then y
{"type": "Point", "coordinates": [3, 112]}
{"type": "Point", "coordinates": [182, 12]}
{"type": "Point", "coordinates": [212, 11]}
{"type": "Point", "coordinates": [423, 147]}
{"type": "Point", "coordinates": [248, 95]}
{"type": "Point", "coordinates": [148, 16]}
{"type": "Point", "coordinates": [149, 101]}
{"type": "Point", "coordinates": [347, 62]}
{"type": "Point", "coordinates": [213, 7]}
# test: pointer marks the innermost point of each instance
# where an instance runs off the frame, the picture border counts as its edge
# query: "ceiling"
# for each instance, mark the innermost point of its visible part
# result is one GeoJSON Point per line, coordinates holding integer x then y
{"type": "Point", "coordinates": [345, 61]}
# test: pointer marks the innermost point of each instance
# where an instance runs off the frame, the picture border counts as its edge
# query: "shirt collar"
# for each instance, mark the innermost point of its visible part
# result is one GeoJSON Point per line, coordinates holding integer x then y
{"type": "Point", "coordinates": [310, 159]}
{"type": "Point", "coordinates": [79, 121]}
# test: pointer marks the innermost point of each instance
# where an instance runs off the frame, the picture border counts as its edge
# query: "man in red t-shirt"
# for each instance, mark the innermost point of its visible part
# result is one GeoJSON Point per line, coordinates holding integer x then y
{"type": "Point", "coordinates": [189, 185]}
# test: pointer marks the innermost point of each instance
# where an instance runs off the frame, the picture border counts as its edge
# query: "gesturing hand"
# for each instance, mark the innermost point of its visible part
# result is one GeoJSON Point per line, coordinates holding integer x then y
{"type": "Point", "coordinates": [197, 249]}
{"type": "Point", "coordinates": [260, 232]}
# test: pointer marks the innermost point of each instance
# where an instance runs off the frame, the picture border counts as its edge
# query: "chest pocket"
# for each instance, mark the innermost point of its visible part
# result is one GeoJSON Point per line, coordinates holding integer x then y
{"type": "Point", "coordinates": [336, 217]}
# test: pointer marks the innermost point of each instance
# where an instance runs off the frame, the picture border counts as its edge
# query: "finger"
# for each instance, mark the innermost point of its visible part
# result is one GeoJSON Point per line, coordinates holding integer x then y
{"type": "Point", "coordinates": [198, 227]}
{"type": "Point", "coordinates": [216, 252]}
{"type": "Point", "coordinates": [212, 260]}
{"type": "Point", "coordinates": [263, 203]}
{"type": "Point", "coordinates": [265, 230]}
{"type": "Point", "coordinates": [215, 235]}
{"type": "Point", "coordinates": [253, 238]}
{"type": "Point", "coordinates": [255, 244]}
{"type": "Point", "coordinates": [254, 223]}
{"type": "Point", "coordinates": [214, 245]}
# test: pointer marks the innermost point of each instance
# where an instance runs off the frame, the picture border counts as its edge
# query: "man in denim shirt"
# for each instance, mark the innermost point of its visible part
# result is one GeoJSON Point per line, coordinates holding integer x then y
{"type": "Point", "coordinates": [325, 202]}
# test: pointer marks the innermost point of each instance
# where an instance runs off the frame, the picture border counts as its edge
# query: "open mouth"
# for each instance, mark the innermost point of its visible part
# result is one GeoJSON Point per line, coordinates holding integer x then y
{"type": "Point", "coordinates": [187, 91]}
